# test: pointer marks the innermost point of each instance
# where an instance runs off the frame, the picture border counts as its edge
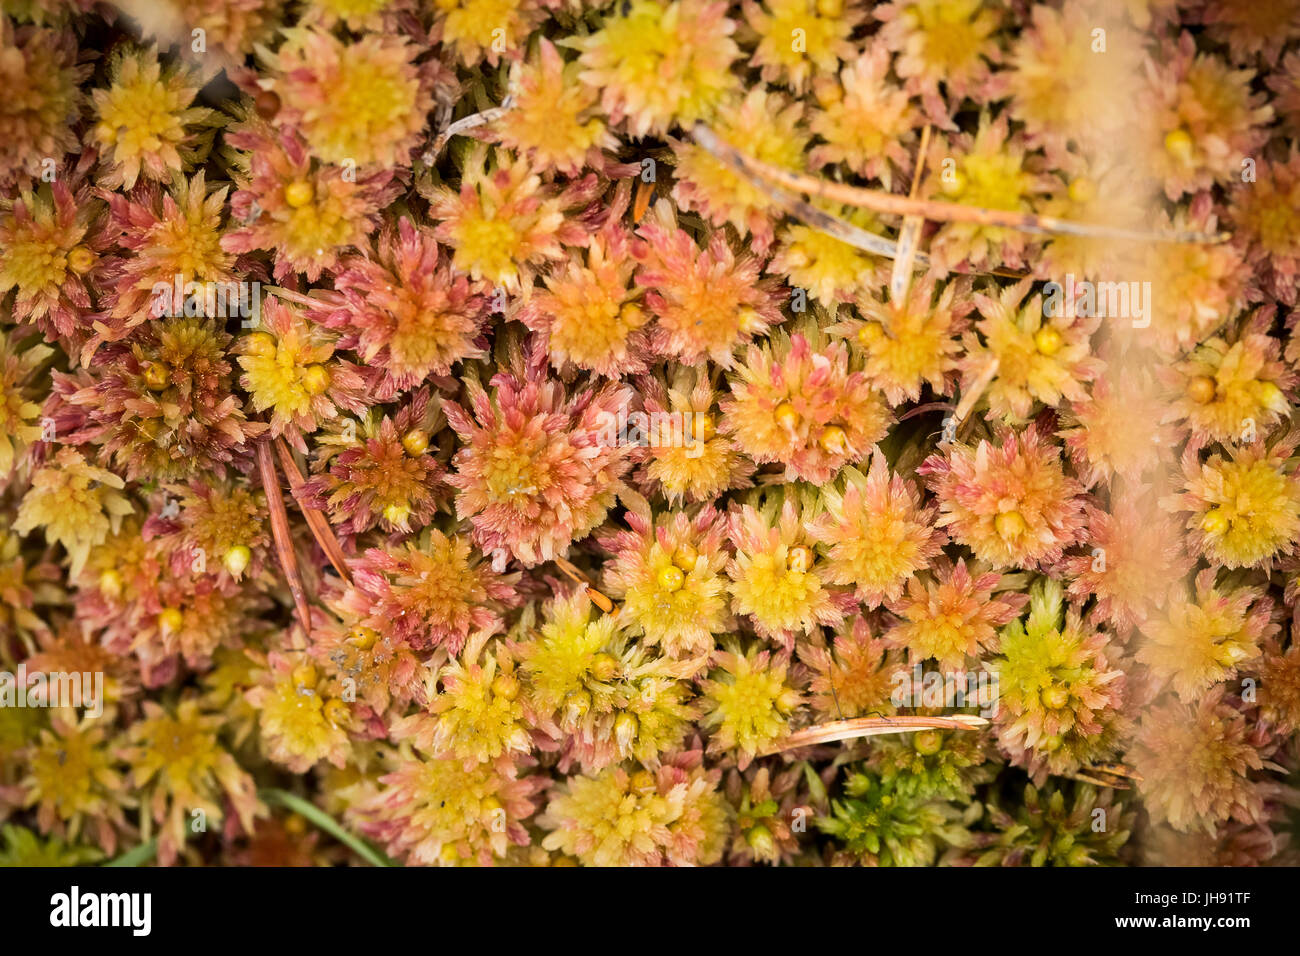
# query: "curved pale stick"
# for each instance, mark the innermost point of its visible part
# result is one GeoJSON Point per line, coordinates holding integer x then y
{"type": "Point", "coordinates": [464, 125]}
{"type": "Point", "coordinates": [900, 277]}
{"type": "Point", "coordinates": [871, 727]}
{"type": "Point", "coordinates": [892, 204]}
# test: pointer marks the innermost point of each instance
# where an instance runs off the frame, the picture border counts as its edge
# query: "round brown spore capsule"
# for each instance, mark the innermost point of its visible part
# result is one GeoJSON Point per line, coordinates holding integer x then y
{"type": "Point", "coordinates": [266, 103]}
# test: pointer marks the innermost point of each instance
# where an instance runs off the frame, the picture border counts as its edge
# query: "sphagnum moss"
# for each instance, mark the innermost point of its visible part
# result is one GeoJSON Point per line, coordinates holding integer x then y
{"type": "Point", "coordinates": [600, 432]}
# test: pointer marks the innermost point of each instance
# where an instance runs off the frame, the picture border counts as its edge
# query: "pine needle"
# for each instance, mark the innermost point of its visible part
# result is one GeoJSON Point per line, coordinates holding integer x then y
{"type": "Point", "coordinates": [283, 536]}
{"type": "Point", "coordinates": [319, 524]}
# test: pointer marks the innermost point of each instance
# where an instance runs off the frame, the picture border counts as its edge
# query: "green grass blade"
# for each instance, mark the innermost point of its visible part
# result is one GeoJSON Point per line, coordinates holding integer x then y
{"type": "Point", "coordinates": [327, 823]}
{"type": "Point", "coordinates": [136, 856]}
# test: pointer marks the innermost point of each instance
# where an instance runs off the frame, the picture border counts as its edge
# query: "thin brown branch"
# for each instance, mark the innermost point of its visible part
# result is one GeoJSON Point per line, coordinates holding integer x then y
{"type": "Point", "coordinates": [891, 204]}
{"type": "Point", "coordinates": [871, 727]}
{"type": "Point", "coordinates": [842, 229]}
{"type": "Point", "coordinates": [283, 536]}
{"type": "Point", "coordinates": [319, 524]}
{"type": "Point", "coordinates": [832, 225]}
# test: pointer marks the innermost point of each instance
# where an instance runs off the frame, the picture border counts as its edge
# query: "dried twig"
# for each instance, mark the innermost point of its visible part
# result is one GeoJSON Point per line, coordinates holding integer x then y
{"type": "Point", "coordinates": [900, 278]}
{"type": "Point", "coordinates": [891, 204]}
{"type": "Point", "coordinates": [832, 225]}
{"type": "Point", "coordinates": [280, 530]}
{"type": "Point", "coordinates": [842, 229]}
{"type": "Point", "coordinates": [871, 727]}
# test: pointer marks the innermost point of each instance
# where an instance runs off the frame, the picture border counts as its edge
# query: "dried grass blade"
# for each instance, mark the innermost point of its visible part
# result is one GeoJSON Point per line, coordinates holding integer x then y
{"type": "Point", "coordinates": [872, 727]}
{"type": "Point", "coordinates": [464, 125]}
{"type": "Point", "coordinates": [280, 530]}
{"type": "Point", "coordinates": [319, 524]}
